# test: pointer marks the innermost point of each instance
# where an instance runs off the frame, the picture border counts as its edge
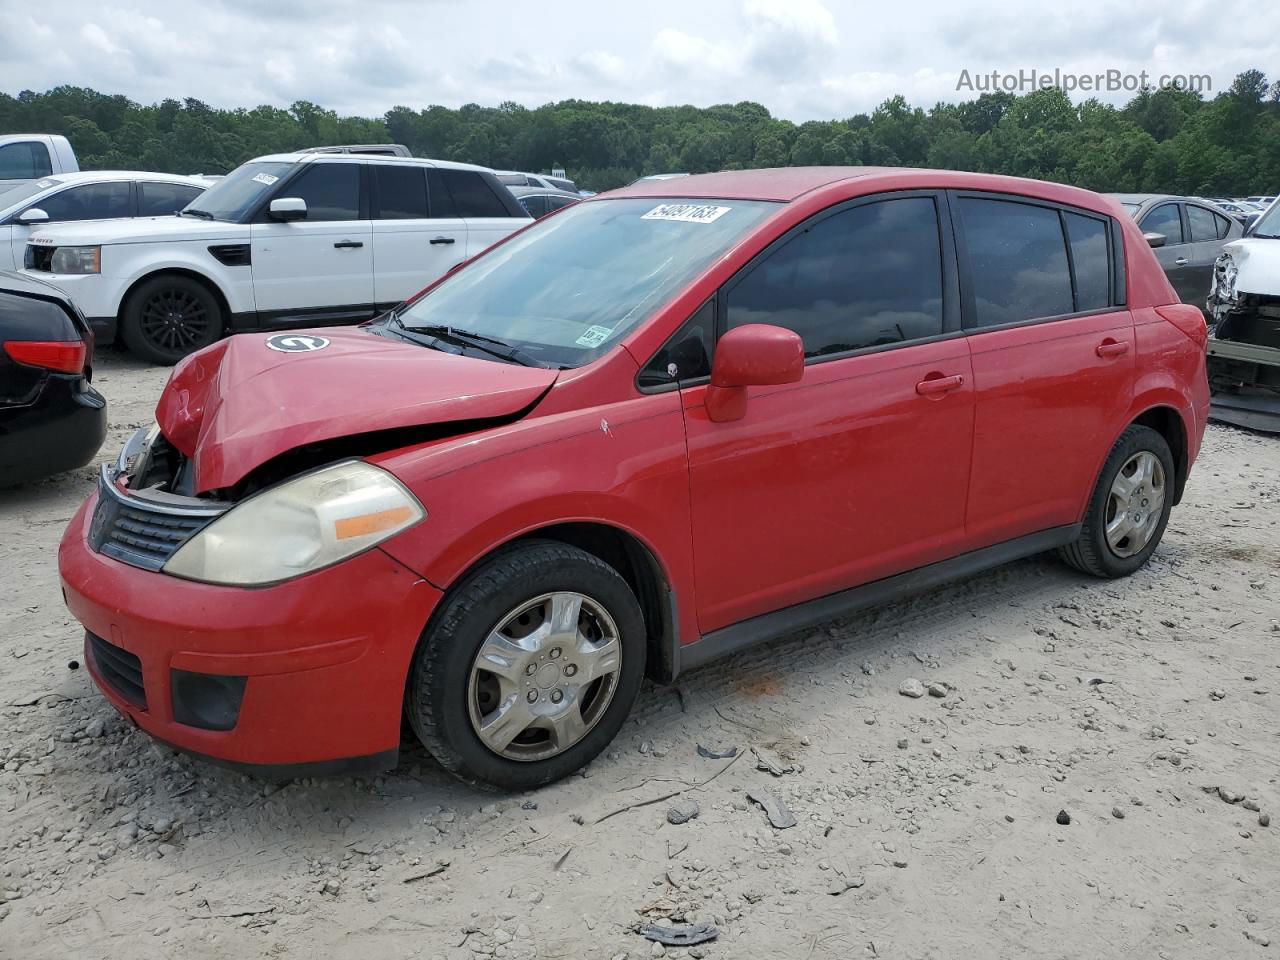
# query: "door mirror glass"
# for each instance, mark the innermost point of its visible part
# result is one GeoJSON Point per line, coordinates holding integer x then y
{"type": "Point", "coordinates": [1155, 239]}
{"type": "Point", "coordinates": [288, 208]}
{"type": "Point", "coordinates": [32, 216]}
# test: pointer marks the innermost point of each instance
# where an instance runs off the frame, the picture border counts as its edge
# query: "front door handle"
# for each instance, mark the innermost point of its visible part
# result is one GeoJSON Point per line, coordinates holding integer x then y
{"type": "Point", "coordinates": [1112, 348]}
{"type": "Point", "coordinates": [347, 245]}
{"type": "Point", "coordinates": [443, 239]}
{"type": "Point", "coordinates": [1181, 261]}
{"type": "Point", "coordinates": [935, 385]}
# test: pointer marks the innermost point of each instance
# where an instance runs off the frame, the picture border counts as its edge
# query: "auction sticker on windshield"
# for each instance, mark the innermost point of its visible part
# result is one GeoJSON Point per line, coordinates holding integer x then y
{"type": "Point", "coordinates": [686, 212]}
{"type": "Point", "coordinates": [593, 336]}
{"type": "Point", "coordinates": [266, 178]}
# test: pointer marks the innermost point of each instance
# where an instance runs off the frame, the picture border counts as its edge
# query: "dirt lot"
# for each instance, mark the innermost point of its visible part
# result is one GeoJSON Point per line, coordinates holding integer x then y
{"type": "Point", "coordinates": [927, 828]}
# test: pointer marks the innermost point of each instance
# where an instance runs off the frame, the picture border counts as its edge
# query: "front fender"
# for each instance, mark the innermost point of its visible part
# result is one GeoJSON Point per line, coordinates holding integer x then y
{"type": "Point", "coordinates": [132, 266]}
{"type": "Point", "coordinates": [622, 465]}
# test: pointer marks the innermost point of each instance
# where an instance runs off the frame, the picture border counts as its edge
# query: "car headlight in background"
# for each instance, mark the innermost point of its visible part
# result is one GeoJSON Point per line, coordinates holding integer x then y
{"type": "Point", "coordinates": [298, 526]}
{"type": "Point", "coordinates": [76, 260]}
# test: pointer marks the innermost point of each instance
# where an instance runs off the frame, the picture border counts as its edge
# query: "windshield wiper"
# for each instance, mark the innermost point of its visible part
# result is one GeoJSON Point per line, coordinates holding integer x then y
{"type": "Point", "coordinates": [490, 345]}
{"type": "Point", "coordinates": [202, 214]}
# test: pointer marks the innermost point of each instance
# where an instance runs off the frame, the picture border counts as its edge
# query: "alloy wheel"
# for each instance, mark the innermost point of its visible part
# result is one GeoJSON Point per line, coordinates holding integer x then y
{"type": "Point", "coordinates": [174, 320]}
{"type": "Point", "coordinates": [544, 677]}
{"type": "Point", "coordinates": [1135, 504]}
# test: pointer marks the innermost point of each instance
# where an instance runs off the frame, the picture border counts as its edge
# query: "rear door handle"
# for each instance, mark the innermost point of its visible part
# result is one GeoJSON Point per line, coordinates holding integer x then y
{"type": "Point", "coordinates": [347, 244]}
{"type": "Point", "coordinates": [443, 239]}
{"type": "Point", "coordinates": [935, 385]}
{"type": "Point", "coordinates": [1112, 348]}
{"type": "Point", "coordinates": [1180, 261]}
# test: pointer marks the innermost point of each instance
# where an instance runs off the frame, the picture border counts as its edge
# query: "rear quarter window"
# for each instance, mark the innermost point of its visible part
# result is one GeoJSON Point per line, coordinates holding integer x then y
{"type": "Point", "coordinates": [472, 195]}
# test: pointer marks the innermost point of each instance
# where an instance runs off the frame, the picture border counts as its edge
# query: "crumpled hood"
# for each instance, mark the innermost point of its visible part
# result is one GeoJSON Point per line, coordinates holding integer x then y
{"type": "Point", "coordinates": [1257, 264]}
{"type": "Point", "coordinates": [239, 403]}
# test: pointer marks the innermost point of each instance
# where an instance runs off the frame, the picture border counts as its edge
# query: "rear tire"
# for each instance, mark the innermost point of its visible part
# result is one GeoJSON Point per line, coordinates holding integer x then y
{"type": "Point", "coordinates": [505, 695]}
{"type": "Point", "coordinates": [169, 316]}
{"type": "Point", "coordinates": [1129, 508]}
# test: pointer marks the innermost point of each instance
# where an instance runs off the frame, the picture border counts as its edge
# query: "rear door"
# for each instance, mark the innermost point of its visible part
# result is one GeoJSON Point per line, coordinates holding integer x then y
{"type": "Point", "coordinates": [1209, 230]}
{"type": "Point", "coordinates": [1053, 358]}
{"type": "Point", "coordinates": [489, 216]}
{"type": "Point", "coordinates": [1176, 255]}
{"type": "Point", "coordinates": [859, 470]}
{"type": "Point", "coordinates": [320, 268]}
{"type": "Point", "coordinates": [416, 236]}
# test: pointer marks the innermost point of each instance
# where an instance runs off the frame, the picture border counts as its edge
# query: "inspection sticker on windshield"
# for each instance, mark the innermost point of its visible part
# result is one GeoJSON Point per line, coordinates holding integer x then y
{"type": "Point", "coordinates": [686, 212]}
{"type": "Point", "coordinates": [594, 336]}
{"type": "Point", "coordinates": [266, 178]}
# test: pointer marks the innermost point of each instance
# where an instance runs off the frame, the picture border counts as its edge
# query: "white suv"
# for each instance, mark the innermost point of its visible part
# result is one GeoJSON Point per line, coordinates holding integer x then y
{"type": "Point", "coordinates": [286, 240]}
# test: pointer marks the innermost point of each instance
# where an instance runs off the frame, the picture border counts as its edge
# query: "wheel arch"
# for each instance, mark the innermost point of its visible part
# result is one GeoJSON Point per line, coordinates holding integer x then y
{"type": "Point", "coordinates": [634, 560]}
{"type": "Point", "coordinates": [1168, 422]}
{"type": "Point", "coordinates": [203, 279]}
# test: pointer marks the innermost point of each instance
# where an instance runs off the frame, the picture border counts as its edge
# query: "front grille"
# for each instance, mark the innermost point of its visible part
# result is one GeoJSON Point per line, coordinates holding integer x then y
{"type": "Point", "coordinates": [38, 258]}
{"type": "Point", "coordinates": [146, 528]}
{"type": "Point", "coordinates": [119, 669]}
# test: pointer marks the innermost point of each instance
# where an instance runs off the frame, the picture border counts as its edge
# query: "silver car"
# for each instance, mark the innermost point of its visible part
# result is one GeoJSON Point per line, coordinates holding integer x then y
{"type": "Point", "coordinates": [1187, 235]}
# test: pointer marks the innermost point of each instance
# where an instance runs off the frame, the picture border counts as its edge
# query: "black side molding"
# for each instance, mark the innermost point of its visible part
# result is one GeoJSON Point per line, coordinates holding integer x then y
{"type": "Point", "coordinates": [738, 636]}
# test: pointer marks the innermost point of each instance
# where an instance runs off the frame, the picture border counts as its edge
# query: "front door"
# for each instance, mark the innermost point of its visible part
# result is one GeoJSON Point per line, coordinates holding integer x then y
{"type": "Point", "coordinates": [320, 268]}
{"type": "Point", "coordinates": [1053, 361]}
{"type": "Point", "coordinates": [859, 471]}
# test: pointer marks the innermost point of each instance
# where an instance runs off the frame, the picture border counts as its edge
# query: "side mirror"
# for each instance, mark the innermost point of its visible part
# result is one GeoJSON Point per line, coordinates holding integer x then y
{"type": "Point", "coordinates": [1155, 239]}
{"type": "Point", "coordinates": [754, 355]}
{"type": "Point", "coordinates": [288, 208]}
{"type": "Point", "coordinates": [31, 217]}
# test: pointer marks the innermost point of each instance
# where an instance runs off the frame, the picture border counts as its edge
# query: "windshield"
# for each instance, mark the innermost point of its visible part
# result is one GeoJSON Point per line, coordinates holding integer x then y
{"type": "Point", "coordinates": [15, 195]}
{"type": "Point", "coordinates": [566, 290]}
{"type": "Point", "coordinates": [1268, 225]}
{"type": "Point", "coordinates": [240, 191]}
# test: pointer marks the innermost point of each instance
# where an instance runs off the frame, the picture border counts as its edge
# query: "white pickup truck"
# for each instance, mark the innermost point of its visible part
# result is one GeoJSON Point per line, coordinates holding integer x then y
{"type": "Point", "coordinates": [29, 156]}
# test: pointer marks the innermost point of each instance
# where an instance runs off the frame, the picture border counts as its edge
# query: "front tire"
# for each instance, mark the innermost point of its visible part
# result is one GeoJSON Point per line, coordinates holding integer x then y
{"type": "Point", "coordinates": [168, 317]}
{"type": "Point", "coordinates": [1129, 509]}
{"type": "Point", "coordinates": [529, 668]}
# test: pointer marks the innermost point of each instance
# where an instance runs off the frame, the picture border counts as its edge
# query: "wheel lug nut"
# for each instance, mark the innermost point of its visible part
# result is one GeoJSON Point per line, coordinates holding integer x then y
{"type": "Point", "coordinates": [570, 670]}
{"type": "Point", "coordinates": [532, 696]}
{"type": "Point", "coordinates": [556, 696]}
{"type": "Point", "coordinates": [531, 669]}
{"type": "Point", "coordinates": [555, 652]}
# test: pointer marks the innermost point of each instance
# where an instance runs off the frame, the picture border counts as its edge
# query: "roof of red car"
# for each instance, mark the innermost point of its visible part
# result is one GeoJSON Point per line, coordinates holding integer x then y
{"type": "Point", "coordinates": [775, 183]}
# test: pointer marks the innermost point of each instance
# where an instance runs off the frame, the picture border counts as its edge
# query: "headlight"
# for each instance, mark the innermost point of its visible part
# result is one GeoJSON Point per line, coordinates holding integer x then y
{"type": "Point", "coordinates": [301, 525]}
{"type": "Point", "coordinates": [76, 260]}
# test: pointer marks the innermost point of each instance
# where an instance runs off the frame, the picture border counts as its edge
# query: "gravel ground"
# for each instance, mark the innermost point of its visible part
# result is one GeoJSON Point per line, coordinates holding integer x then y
{"type": "Point", "coordinates": [1146, 710]}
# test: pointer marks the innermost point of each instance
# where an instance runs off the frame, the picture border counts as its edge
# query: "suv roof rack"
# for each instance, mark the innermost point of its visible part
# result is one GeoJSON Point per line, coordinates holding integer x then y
{"type": "Point", "coordinates": [378, 149]}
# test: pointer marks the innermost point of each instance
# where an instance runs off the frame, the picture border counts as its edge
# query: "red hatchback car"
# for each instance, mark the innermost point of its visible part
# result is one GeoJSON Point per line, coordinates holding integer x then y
{"type": "Point", "coordinates": [647, 431]}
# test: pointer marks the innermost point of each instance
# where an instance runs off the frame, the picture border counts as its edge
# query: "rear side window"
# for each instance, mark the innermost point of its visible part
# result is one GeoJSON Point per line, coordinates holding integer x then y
{"type": "Point", "coordinates": [24, 160]}
{"type": "Point", "coordinates": [162, 199]}
{"type": "Point", "coordinates": [402, 192]}
{"type": "Point", "coordinates": [472, 196]}
{"type": "Point", "coordinates": [537, 206]}
{"type": "Point", "coordinates": [867, 276]}
{"type": "Point", "coordinates": [1090, 261]}
{"type": "Point", "coordinates": [1164, 219]}
{"type": "Point", "coordinates": [92, 201]}
{"type": "Point", "coordinates": [1224, 228]}
{"type": "Point", "coordinates": [1205, 224]}
{"type": "Point", "coordinates": [1017, 261]}
{"type": "Point", "coordinates": [331, 191]}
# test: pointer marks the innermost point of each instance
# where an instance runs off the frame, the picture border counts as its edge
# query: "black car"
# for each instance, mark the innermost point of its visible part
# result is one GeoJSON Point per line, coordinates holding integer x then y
{"type": "Point", "coordinates": [51, 419]}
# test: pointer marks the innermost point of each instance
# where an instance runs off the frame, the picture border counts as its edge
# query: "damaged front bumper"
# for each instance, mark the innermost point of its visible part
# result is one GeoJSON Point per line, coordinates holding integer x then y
{"type": "Point", "coordinates": [1244, 355]}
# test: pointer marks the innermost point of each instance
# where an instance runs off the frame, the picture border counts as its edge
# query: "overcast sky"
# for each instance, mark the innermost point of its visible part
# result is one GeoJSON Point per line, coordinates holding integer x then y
{"type": "Point", "coordinates": [803, 59]}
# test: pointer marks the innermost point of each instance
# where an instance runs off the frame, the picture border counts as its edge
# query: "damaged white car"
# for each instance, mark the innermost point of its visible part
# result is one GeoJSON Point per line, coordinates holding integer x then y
{"type": "Point", "coordinates": [1244, 346]}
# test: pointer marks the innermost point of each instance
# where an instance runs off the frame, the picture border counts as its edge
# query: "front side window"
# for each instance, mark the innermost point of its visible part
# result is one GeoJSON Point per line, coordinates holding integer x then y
{"type": "Point", "coordinates": [1017, 261]}
{"type": "Point", "coordinates": [24, 160]}
{"type": "Point", "coordinates": [866, 276]}
{"type": "Point", "coordinates": [568, 288]}
{"type": "Point", "coordinates": [1164, 219]}
{"type": "Point", "coordinates": [402, 192]}
{"type": "Point", "coordinates": [91, 201]}
{"type": "Point", "coordinates": [331, 191]}
{"type": "Point", "coordinates": [157, 199]}
{"type": "Point", "coordinates": [241, 191]}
